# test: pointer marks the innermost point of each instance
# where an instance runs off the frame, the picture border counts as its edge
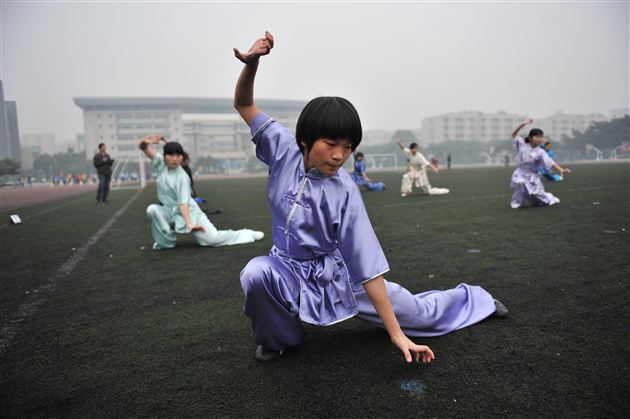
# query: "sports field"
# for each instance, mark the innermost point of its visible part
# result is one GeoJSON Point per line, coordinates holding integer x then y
{"type": "Point", "coordinates": [96, 324]}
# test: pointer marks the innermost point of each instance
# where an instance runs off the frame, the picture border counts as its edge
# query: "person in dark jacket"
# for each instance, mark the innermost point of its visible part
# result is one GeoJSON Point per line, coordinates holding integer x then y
{"type": "Point", "coordinates": [103, 163]}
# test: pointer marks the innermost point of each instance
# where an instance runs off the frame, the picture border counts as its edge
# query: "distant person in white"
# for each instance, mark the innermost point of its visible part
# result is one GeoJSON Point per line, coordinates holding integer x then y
{"type": "Point", "coordinates": [417, 173]}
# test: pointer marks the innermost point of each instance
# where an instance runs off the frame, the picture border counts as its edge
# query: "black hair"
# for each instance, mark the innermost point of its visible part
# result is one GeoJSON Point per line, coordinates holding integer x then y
{"type": "Point", "coordinates": [188, 171]}
{"type": "Point", "coordinates": [413, 145]}
{"type": "Point", "coordinates": [329, 117]}
{"type": "Point", "coordinates": [533, 133]}
{"type": "Point", "coordinates": [100, 145]}
{"type": "Point", "coordinates": [173, 147]}
{"type": "Point", "coordinates": [358, 154]}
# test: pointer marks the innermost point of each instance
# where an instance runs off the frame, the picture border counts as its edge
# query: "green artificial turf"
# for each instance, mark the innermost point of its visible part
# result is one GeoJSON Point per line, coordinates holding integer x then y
{"type": "Point", "coordinates": [132, 332]}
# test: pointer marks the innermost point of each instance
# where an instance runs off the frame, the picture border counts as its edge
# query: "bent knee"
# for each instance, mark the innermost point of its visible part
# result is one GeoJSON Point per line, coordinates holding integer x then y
{"type": "Point", "coordinates": [152, 210]}
{"type": "Point", "coordinates": [255, 273]}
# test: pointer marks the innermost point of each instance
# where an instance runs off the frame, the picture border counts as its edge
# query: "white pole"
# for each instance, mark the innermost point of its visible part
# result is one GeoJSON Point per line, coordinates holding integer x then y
{"type": "Point", "coordinates": [143, 181]}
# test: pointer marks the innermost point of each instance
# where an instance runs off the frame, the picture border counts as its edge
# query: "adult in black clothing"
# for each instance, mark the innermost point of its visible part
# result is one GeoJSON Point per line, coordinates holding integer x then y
{"type": "Point", "coordinates": [103, 163]}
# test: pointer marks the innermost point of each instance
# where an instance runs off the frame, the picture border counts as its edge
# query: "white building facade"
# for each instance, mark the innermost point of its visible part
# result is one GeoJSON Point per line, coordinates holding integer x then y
{"type": "Point", "coordinates": [481, 126]}
{"type": "Point", "coordinates": [122, 122]}
{"type": "Point", "coordinates": [469, 125]}
{"type": "Point", "coordinates": [559, 125]}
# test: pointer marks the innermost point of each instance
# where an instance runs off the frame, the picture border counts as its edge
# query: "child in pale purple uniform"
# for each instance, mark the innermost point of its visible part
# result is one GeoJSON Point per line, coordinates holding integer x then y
{"type": "Point", "coordinates": [326, 264]}
{"type": "Point", "coordinates": [526, 182]}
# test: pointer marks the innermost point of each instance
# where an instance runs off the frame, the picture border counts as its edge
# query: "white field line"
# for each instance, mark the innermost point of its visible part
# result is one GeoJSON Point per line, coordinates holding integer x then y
{"type": "Point", "coordinates": [37, 297]}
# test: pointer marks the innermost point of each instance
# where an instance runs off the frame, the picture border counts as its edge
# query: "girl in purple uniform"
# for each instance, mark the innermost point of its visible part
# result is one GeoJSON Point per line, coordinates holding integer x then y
{"type": "Point", "coordinates": [528, 188]}
{"type": "Point", "coordinates": [326, 264]}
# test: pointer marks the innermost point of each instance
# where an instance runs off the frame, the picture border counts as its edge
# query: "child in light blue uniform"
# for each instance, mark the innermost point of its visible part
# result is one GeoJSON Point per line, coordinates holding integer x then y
{"type": "Point", "coordinates": [548, 174]}
{"type": "Point", "coordinates": [178, 212]}
{"type": "Point", "coordinates": [326, 264]}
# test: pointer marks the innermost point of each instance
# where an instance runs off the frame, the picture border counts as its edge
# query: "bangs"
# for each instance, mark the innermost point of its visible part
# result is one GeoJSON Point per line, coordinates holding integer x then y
{"type": "Point", "coordinates": [328, 117]}
{"type": "Point", "coordinates": [173, 148]}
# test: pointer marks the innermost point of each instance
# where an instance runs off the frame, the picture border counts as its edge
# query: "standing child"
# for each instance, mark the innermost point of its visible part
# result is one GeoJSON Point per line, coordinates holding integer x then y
{"type": "Point", "coordinates": [528, 188]}
{"type": "Point", "coordinates": [418, 172]}
{"type": "Point", "coordinates": [360, 176]}
{"type": "Point", "coordinates": [326, 264]}
{"type": "Point", "coordinates": [178, 212]}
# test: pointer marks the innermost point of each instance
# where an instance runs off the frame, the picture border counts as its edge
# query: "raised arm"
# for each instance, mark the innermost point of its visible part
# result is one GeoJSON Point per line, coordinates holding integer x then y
{"type": "Point", "coordinates": [150, 139]}
{"type": "Point", "coordinates": [244, 92]}
{"type": "Point", "coordinates": [375, 289]}
{"type": "Point", "coordinates": [402, 147]}
{"type": "Point", "coordinates": [527, 121]}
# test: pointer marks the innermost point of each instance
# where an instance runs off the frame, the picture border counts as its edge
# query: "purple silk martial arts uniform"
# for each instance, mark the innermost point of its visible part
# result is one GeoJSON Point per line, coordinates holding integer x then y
{"type": "Point", "coordinates": [526, 182]}
{"type": "Point", "coordinates": [324, 248]}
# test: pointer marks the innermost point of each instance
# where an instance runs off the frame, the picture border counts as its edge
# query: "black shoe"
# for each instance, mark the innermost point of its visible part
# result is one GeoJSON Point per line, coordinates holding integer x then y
{"type": "Point", "coordinates": [501, 310]}
{"type": "Point", "coordinates": [263, 354]}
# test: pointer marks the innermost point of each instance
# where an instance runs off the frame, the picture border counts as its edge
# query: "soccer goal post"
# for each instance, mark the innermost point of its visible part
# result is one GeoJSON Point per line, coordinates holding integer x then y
{"type": "Point", "coordinates": [381, 161]}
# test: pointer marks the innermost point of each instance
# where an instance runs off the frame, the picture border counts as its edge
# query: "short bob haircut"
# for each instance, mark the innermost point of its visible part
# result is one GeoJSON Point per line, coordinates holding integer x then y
{"type": "Point", "coordinates": [328, 117]}
{"type": "Point", "coordinates": [173, 147]}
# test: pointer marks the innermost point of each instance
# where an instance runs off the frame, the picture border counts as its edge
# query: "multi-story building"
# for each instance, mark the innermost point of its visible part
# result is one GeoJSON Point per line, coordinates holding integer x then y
{"type": "Point", "coordinates": [468, 125]}
{"type": "Point", "coordinates": [41, 143]}
{"type": "Point", "coordinates": [26, 158]}
{"type": "Point", "coordinates": [80, 143]}
{"type": "Point", "coordinates": [376, 137]}
{"type": "Point", "coordinates": [560, 124]}
{"type": "Point", "coordinates": [123, 121]}
{"type": "Point", "coordinates": [499, 126]}
{"type": "Point", "coordinates": [9, 133]}
{"type": "Point", "coordinates": [221, 138]}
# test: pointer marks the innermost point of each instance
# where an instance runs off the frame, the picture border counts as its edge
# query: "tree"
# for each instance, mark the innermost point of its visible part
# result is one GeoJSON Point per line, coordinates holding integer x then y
{"type": "Point", "coordinates": [603, 135]}
{"type": "Point", "coordinates": [63, 163]}
{"type": "Point", "coordinates": [46, 163]}
{"type": "Point", "coordinates": [9, 166]}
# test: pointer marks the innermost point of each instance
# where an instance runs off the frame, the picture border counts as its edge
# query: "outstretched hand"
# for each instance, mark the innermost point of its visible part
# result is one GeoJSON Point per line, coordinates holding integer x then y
{"type": "Point", "coordinates": [261, 47]}
{"type": "Point", "coordinates": [528, 120]}
{"type": "Point", "coordinates": [412, 351]}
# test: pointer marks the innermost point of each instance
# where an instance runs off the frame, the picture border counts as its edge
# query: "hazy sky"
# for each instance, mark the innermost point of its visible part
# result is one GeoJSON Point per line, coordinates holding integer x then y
{"type": "Point", "coordinates": [397, 62]}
